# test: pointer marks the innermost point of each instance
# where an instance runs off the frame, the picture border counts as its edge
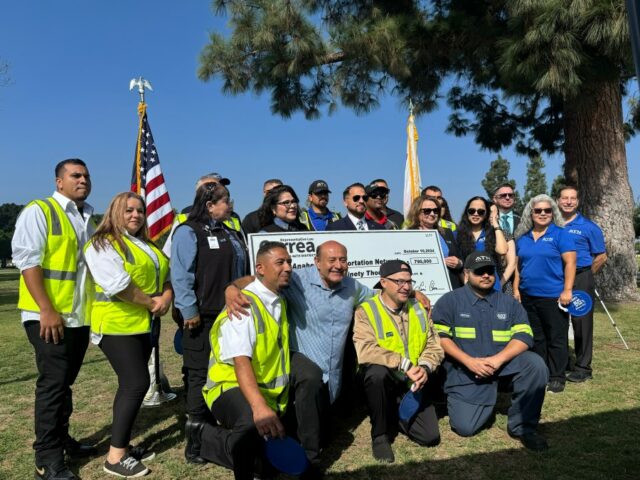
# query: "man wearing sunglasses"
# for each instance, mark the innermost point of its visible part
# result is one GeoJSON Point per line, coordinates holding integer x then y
{"type": "Point", "coordinates": [486, 337]}
{"type": "Point", "coordinates": [504, 198]}
{"type": "Point", "coordinates": [355, 199]}
{"type": "Point", "coordinates": [378, 196]}
{"type": "Point", "coordinates": [397, 349]}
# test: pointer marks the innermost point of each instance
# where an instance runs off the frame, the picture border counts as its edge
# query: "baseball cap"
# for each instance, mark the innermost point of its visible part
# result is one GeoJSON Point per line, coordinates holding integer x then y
{"type": "Point", "coordinates": [477, 260]}
{"type": "Point", "coordinates": [319, 186]}
{"type": "Point", "coordinates": [390, 267]}
{"type": "Point", "coordinates": [222, 180]}
{"type": "Point", "coordinates": [374, 187]}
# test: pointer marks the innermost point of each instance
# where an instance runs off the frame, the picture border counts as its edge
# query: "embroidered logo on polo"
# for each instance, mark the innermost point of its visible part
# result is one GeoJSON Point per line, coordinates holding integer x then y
{"type": "Point", "coordinates": [547, 239]}
{"type": "Point", "coordinates": [501, 316]}
{"type": "Point", "coordinates": [465, 315]}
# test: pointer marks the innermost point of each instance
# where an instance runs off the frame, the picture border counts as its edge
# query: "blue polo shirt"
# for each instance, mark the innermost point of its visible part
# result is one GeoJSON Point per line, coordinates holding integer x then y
{"type": "Point", "coordinates": [480, 327]}
{"type": "Point", "coordinates": [318, 220]}
{"type": "Point", "coordinates": [480, 243]}
{"type": "Point", "coordinates": [588, 238]}
{"type": "Point", "coordinates": [540, 261]}
{"type": "Point", "coordinates": [319, 320]}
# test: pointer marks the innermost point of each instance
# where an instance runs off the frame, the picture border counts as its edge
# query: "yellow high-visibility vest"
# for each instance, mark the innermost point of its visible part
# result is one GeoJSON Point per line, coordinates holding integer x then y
{"type": "Point", "coordinates": [270, 360]}
{"type": "Point", "coordinates": [113, 316]}
{"type": "Point", "coordinates": [59, 262]}
{"type": "Point", "coordinates": [387, 333]}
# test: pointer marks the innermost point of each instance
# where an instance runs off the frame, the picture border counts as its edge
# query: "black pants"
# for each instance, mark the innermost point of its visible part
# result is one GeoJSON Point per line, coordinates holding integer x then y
{"type": "Point", "coordinates": [234, 443]}
{"type": "Point", "coordinates": [583, 326]}
{"type": "Point", "coordinates": [383, 391]}
{"type": "Point", "coordinates": [195, 357]}
{"type": "Point", "coordinates": [128, 356]}
{"type": "Point", "coordinates": [550, 333]}
{"type": "Point", "coordinates": [58, 366]}
{"type": "Point", "coordinates": [308, 406]}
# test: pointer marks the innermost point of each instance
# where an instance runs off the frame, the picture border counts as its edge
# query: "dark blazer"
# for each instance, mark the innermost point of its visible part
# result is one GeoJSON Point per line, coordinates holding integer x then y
{"type": "Point", "coordinates": [345, 223]}
{"type": "Point", "coordinates": [395, 216]}
{"type": "Point", "coordinates": [454, 274]}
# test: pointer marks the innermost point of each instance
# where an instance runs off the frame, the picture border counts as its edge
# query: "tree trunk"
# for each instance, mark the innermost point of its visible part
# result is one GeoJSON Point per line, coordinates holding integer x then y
{"type": "Point", "coordinates": [596, 160]}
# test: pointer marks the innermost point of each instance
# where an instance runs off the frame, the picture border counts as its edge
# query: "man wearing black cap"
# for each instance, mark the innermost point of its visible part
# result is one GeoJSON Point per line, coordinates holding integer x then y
{"type": "Point", "coordinates": [486, 337]}
{"type": "Point", "coordinates": [318, 216]}
{"type": "Point", "coordinates": [397, 349]}
{"type": "Point", "coordinates": [393, 215]}
{"type": "Point", "coordinates": [377, 198]}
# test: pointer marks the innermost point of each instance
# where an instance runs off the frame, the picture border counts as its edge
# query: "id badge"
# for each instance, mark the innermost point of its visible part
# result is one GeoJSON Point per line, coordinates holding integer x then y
{"type": "Point", "coordinates": [213, 243]}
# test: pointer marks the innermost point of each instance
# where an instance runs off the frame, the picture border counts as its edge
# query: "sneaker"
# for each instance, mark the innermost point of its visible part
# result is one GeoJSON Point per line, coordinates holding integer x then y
{"type": "Point", "coordinates": [141, 454]}
{"type": "Point", "coordinates": [382, 450]}
{"type": "Point", "coordinates": [127, 467]}
{"type": "Point", "coordinates": [579, 376]}
{"type": "Point", "coordinates": [555, 386]}
{"type": "Point", "coordinates": [532, 441]}
{"type": "Point", "coordinates": [54, 471]}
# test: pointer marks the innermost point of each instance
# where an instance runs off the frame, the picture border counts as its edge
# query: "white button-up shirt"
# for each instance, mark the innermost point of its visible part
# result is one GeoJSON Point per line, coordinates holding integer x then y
{"type": "Point", "coordinates": [238, 337]}
{"type": "Point", "coordinates": [29, 242]}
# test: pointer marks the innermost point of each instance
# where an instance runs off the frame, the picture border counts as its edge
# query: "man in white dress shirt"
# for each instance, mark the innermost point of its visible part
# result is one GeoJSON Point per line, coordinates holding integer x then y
{"type": "Point", "coordinates": [47, 248]}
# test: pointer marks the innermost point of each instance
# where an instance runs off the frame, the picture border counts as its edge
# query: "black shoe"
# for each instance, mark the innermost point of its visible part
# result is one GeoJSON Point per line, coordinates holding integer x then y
{"type": "Point", "coordinates": [54, 471]}
{"type": "Point", "coordinates": [532, 441]}
{"type": "Point", "coordinates": [382, 450]}
{"type": "Point", "coordinates": [579, 376]}
{"type": "Point", "coordinates": [75, 449]}
{"type": "Point", "coordinates": [555, 386]}
{"type": "Point", "coordinates": [193, 434]}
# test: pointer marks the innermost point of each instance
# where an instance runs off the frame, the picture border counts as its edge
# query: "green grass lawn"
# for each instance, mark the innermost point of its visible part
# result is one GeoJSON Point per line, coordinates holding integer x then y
{"type": "Point", "coordinates": [592, 428]}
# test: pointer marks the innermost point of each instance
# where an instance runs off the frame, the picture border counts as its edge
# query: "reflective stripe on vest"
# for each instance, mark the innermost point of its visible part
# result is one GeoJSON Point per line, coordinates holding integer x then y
{"type": "Point", "coordinates": [306, 220]}
{"type": "Point", "coordinates": [501, 336]}
{"type": "Point", "coordinates": [387, 332]}
{"type": "Point", "coordinates": [521, 328]}
{"type": "Point", "coordinates": [112, 315]}
{"type": "Point", "coordinates": [59, 262]}
{"type": "Point", "coordinates": [270, 361]}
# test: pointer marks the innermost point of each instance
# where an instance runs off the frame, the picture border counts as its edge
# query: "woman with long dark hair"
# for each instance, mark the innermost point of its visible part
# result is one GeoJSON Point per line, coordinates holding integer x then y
{"type": "Point", "coordinates": [546, 270]}
{"type": "Point", "coordinates": [279, 211]}
{"type": "Point", "coordinates": [424, 214]}
{"type": "Point", "coordinates": [130, 284]}
{"type": "Point", "coordinates": [479, 229]}
{"type": "Point", "coordinates": [206, 255]}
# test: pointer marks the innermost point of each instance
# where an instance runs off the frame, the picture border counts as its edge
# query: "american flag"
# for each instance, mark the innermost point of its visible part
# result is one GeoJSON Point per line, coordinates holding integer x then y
{"type": "Point", "coordinates": [148, 182]}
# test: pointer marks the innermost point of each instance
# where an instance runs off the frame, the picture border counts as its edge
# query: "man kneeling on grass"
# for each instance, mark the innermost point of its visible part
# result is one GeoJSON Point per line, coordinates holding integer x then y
{"type": "Point", "coordinates": [397, 349]}
{"type": "Point", "coordinates": [486, 337]}
{"type": "Point", "coordinates": [248, 379]}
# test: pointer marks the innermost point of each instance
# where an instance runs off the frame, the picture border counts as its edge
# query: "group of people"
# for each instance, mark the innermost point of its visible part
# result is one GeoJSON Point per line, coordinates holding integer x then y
{"type": "Point", "coordinates": [268, 354]}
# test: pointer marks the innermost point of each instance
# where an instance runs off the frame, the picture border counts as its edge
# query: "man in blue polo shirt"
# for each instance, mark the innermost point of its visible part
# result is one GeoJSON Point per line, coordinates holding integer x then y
{"type": "Point", "coordinates": [486, 336]}
{"type": "Point", "coordinates": [318, 215]}
{"type": "Point", "coordinates": [591, 257]}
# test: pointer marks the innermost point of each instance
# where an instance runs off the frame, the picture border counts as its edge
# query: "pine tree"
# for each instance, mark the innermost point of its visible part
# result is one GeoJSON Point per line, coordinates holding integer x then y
{"type": "Point", "coordinates": [498, 174]}
{"type": "Point", "coordinates": [558, 183]}
{"type": "Point", "coordinates": [536, 178]}
{"type": "Point", "coordinates": [543, 76]}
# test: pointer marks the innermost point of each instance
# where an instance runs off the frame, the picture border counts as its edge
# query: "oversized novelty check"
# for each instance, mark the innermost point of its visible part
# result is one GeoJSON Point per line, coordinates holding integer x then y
{"type": "Point", "coordinates": [367, 250]}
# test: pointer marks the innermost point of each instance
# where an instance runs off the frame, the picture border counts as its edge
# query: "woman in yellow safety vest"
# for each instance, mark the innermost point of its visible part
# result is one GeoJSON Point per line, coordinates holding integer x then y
{"type": "Point", "coordinates": [130, 284]}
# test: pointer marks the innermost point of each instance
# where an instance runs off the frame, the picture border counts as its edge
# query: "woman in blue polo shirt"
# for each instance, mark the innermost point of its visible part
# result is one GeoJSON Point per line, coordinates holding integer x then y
{"type": "Point", "coordinates": [544, 278]}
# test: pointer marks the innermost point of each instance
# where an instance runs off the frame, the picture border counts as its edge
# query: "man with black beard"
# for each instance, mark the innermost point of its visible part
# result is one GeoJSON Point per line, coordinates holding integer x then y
{"type": "Point", "coordinates": [486, 337]}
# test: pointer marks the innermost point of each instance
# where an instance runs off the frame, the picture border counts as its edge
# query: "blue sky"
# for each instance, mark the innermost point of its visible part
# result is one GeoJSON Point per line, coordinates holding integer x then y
{"type": "Point", "coordinates": [70, 66]}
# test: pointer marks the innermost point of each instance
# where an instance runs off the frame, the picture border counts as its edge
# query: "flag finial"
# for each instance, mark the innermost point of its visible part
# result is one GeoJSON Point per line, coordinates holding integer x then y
{"type": "Point", "coordinates": [141, 83]}
{"type": "Point", "coordinates": [410, 107]}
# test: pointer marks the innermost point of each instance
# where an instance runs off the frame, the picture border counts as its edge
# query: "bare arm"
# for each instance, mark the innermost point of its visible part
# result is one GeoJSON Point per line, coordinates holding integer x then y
{"type": "Point", "coordinates": [266, 420]}
{"type": "Point", "coordinates": [569, 259]}
{"type": "Point", "coordinates": [598, 262]}
{"type": "Point", "coordinates": [501, 242]}
{"type": "Point", "coordinates": [236, 302]}
{"type": "Point", "coordinates": [51, 322]}
{"type": "Point", "coordinates": [516, 282]}
{"type": "Point", "coordinates": [514, 348]}
{"type": "Point", "coordinates": [510, 257]}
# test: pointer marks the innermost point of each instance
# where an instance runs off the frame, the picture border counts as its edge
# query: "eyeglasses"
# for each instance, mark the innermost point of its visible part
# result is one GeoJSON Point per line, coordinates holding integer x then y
{"type": "Point", "coordinates": [476, 211]}
{"type": "Point", "coordinates": [540, 211]}
{"type": "Point", "coordinates": [288, 203]}
{"type": "Point", "coordinates": [377, 195]}
{"type": "Point", "coordinates": [402, 283]}
{"type": "Point", "coordinates": [506, 195]}
{"type": "Point", "coordinates": [489, 270]}
{"type": "Point", "coordinates": [357, 198]}
{"type": "Point", "coordinates": [430, 211]}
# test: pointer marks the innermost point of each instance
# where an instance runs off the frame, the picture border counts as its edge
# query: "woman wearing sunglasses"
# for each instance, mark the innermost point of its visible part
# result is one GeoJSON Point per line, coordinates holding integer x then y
{"type": "Point", "coordinates": [279, 211]}
{"type": "Point", "coordinates": [424, 214]}
{"type": "Point", "coordinates": [479, 230]}
{"type": "Point", "coordinates": [546, 269]}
